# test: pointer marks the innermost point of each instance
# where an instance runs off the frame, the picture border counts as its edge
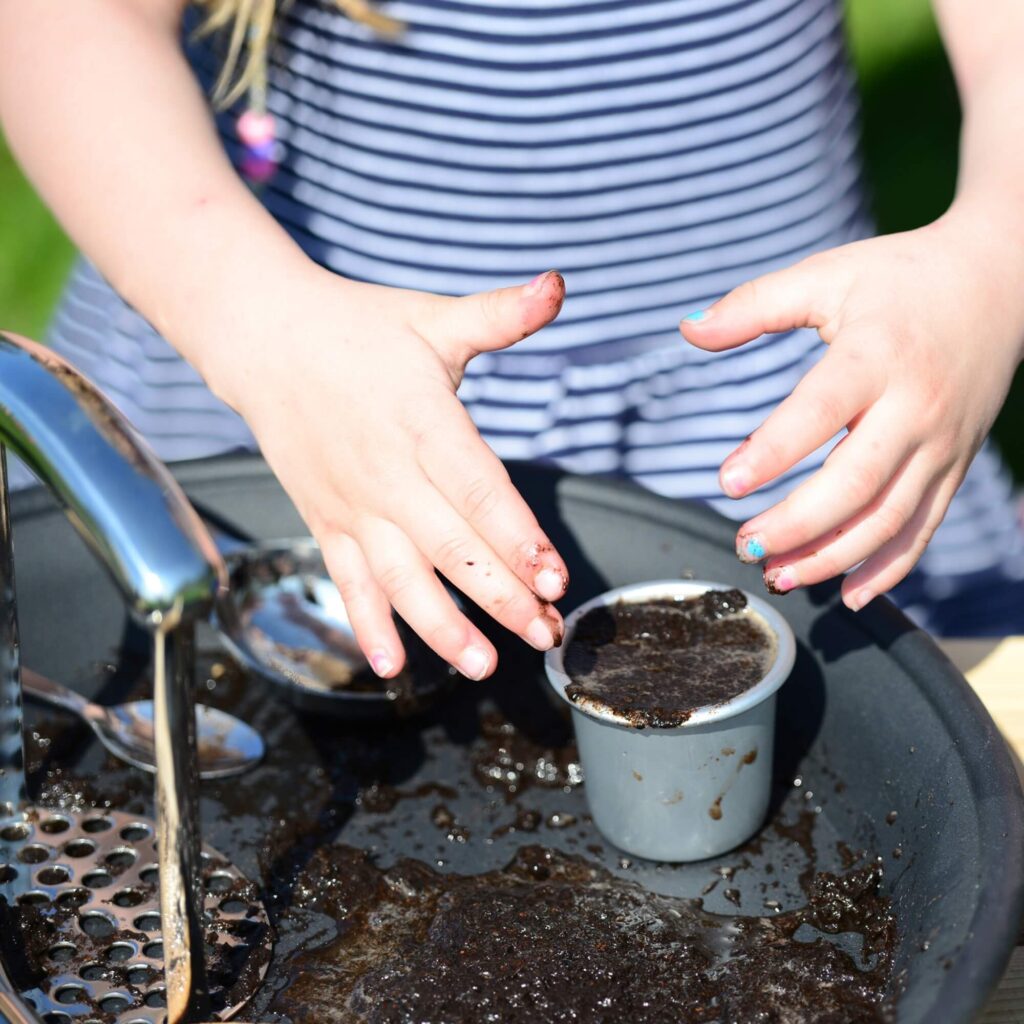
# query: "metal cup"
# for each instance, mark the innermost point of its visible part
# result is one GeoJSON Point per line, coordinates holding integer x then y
{"type": "Point", "coordinates": [685, 793]}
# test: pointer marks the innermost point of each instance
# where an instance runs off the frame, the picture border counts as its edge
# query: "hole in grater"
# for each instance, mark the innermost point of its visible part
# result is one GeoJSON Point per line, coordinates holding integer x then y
{"type": "Point", "coordinates": [56, 1017]}
{"type": "Point", "coordinates": [97, 925]}
{"type": "Point", "coordinates": [97, 824]}
{"type": "Point", "coordinates": [150, 875]}
{"type": "Point", "coordinates": [73, 897]}
{"type": "Point", "coordinates": [135, 832]}
{"type": "Point", "coordinates": [54, 826]}
{"type": "Point", "coordinates": [120, 859]}
{"type": "Point", "coordinates": [33, 899]}
{"type": "Point", "coordinates": [15, 832]}
{"type": "Point", "coordinates": [34, 853]}
{"type": "Point", "coordinates": [116, 1002]}
{"type": "Point", "coordinates": [128, 898]}
{"type": "Point", "coordinates": [93, 972]}
{"type": "Point", "coordinates": [154, 950]}
{"type": "Point", "coordinates": [219, 882]}
{"type": "Point", "coordinates": [98, 879]}
{"type": "Point", "coordinates": [141, 974]}
{"type": "Point", "coordinates": [120, 951]}
{"type": "Point", "coordinates": [7, 874]}
{"type": "Point", "coordinates": [157, 998]}
{"type": "Point", "coordinates": [61, 952]}
{"type": "Point", "coordinates": [68, 994]}
{"type": "Point", "coordinates": [55, 874]}
{"type": "Point", "coordinates": [80, 847]}
{"type": "Point", "coordinates": [148, 922]}
{"type": "Point", "coordinates": [234, 906]}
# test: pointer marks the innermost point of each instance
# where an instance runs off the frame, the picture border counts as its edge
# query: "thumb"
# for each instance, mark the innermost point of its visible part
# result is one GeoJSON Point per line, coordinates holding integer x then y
{"type": "Point", "coordinates": [488, 321]}
{"type": "Point", "coordinates": [780, 301]}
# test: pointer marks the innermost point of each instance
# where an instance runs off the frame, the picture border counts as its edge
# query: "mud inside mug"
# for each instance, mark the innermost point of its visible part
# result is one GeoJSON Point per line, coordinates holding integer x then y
{"type": "Point", "coordinates": [654, 662]}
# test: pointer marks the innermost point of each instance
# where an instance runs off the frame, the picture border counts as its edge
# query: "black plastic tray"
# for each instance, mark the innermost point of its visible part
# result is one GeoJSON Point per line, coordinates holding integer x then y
{"type": "Point", "coordinates": [874, 720]}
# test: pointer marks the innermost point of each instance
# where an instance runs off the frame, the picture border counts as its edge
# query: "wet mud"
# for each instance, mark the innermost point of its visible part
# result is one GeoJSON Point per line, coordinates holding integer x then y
{"type": "Point", "coordinates": [653, 663]}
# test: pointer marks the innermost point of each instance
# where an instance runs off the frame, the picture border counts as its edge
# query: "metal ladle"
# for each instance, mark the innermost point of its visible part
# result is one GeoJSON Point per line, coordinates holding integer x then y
{"type": "Point", "coordinates": [283, 618]}
{"type": "Point", "coordinates": [226, 745]}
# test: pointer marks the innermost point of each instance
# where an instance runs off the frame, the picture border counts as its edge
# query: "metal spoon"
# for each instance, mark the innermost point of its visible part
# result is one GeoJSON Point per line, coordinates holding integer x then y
{"type": "Point", "coordinates": [227, 745]}
{"type": "Point", "coordinates": [284, 619]}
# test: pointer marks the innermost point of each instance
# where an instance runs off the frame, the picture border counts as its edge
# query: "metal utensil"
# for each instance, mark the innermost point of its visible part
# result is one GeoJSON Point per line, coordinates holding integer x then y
{"type": "Point", "coordinates": [103, 865]}
{"type": "Point", "coordinates": [227, 745]}
{"type": "Point", "coordinates": [136, 519]}
{"type": "Point", "coordinates": [283, 618]}
{"type": "Point", "coordinates": [658, 793]}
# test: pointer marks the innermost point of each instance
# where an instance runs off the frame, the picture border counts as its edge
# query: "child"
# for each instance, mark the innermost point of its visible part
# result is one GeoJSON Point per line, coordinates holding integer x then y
{"type": "Point", "coordinates": [660, 153]}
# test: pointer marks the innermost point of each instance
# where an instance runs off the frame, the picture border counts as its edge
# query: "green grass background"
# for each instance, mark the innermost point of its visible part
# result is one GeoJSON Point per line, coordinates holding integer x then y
{"type": "Point", "coordinates": [910, 126]}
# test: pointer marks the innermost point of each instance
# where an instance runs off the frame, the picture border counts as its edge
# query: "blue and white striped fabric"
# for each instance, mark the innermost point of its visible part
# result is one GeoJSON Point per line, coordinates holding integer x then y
{"type": "Point", "coordinates": [657, 152]}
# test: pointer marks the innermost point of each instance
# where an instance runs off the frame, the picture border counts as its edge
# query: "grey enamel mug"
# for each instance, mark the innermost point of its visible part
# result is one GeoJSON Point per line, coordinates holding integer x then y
{"type": "Point", "coordinates": [689, 792]}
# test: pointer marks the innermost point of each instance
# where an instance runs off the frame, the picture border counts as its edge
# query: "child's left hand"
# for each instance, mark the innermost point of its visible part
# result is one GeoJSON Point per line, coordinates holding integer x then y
{"type": "Point", "coordinates": [925, 331]}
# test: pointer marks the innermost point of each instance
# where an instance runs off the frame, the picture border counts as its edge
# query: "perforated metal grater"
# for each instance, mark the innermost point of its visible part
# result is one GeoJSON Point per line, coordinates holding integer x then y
{"type": "Point", "coordinates": [132, 920]}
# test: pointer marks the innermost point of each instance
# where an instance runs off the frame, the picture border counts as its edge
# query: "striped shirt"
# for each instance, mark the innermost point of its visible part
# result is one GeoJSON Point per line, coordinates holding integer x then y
{"type": "Point", "coordinates": [657, 152]}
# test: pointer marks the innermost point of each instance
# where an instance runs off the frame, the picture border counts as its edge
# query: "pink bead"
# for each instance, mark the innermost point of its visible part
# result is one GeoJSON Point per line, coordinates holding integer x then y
{"type": "Point", "coordinates": [255, 129]}
{"type": "Point", "coordinates": [258, 169]}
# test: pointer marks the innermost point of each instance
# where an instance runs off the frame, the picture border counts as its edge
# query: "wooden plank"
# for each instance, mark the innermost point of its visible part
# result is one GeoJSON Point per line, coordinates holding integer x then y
{"type": "Point", "coordinates": [1007, 1003]}
{"type": "Point", "coordinates": [995, 669]}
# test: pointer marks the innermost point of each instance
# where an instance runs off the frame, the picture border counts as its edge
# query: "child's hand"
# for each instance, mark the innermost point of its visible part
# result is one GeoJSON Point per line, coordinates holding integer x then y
{"type": "Point", "coordinates": [925, 331]}
{"type": "Point", "coordinates": [355, 410]}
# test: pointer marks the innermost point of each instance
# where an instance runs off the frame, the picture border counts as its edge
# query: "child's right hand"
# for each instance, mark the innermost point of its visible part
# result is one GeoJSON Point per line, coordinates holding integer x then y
{"type": "Point", "coordinates": [356, 412]}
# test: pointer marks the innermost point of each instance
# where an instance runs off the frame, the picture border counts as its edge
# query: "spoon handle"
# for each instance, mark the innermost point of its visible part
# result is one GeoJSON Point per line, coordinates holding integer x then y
{"type": "Point", "coordinates": [53, 693]}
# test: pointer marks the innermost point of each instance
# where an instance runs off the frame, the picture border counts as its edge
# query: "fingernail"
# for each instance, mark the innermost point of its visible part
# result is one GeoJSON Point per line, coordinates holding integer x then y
{"type": "Point", "coordinates": [857, 600]}
{"type": "Point", "coordinates": [381, 664]}
{"type": "Point", "coordinates": [781, 580]}
{"type": "Point", "coordinates": [539, 635]}
{"type": "Point", "coordinates": [474, 663]}
{"type": "Point", "coordinates": [697, 316]}
{"type": "Point", "coordinates": [550, 584]}
{"type": "Point", "coordinates": [736, 481]}
{"type": "Point", "coordinates": [750, 548]}
{"type": "Point", "coordinates": [557, 631]}
{"type": "Point", "coordinates": [536, 284]}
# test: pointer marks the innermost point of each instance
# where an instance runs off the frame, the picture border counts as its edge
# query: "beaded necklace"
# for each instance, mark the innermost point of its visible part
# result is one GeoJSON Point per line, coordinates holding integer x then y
{"type": "Point", "coordinates": [256, 128]}
{"type": "Point", "coordinates": [257, 132]}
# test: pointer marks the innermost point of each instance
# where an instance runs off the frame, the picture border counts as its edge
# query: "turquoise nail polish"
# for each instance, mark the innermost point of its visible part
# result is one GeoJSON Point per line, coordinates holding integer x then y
{"type": "Point", "coordinates": [755, 549]}
{"type": "Point", "coordinates": [696, 316]}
